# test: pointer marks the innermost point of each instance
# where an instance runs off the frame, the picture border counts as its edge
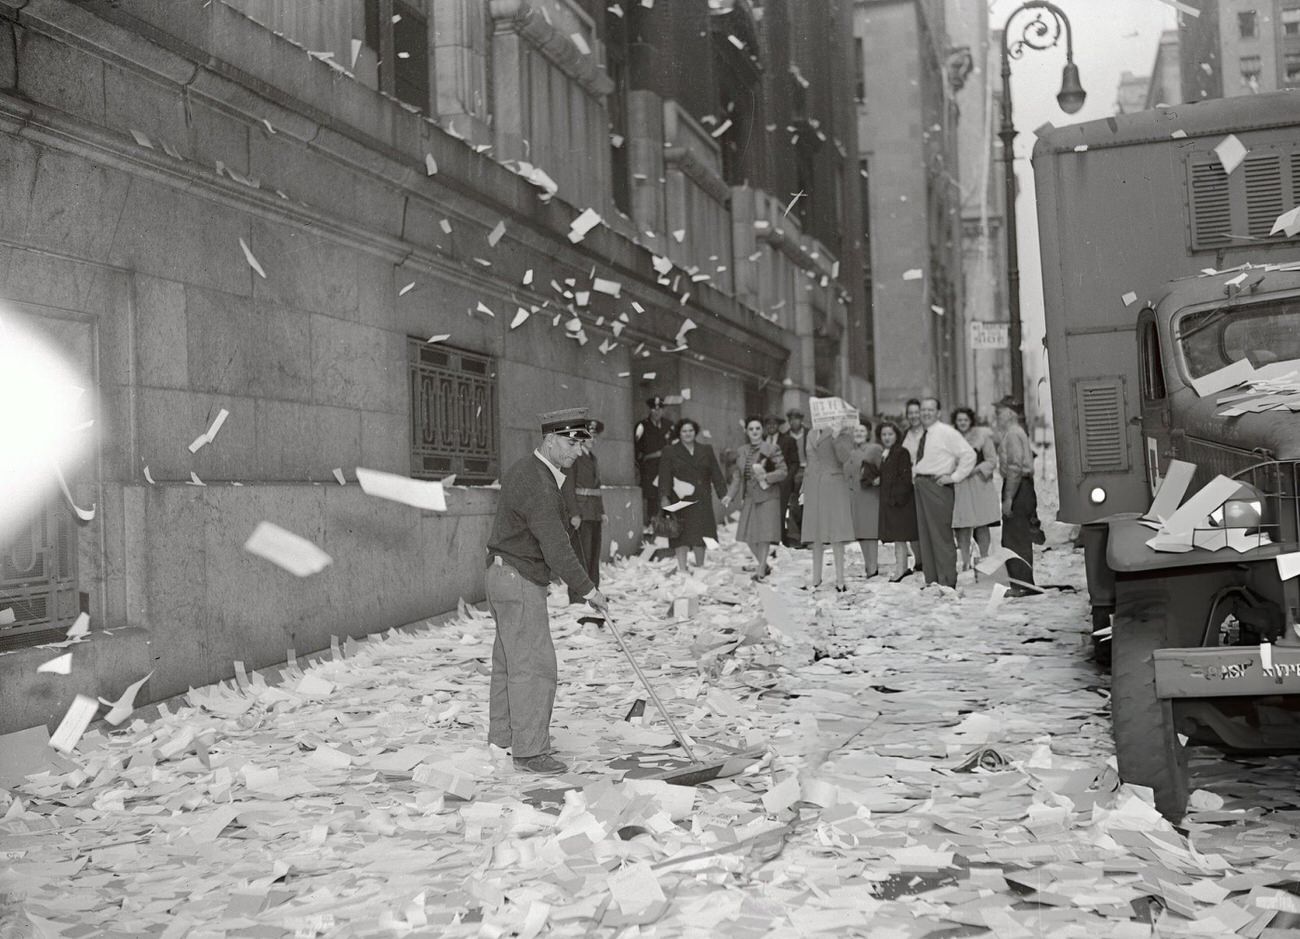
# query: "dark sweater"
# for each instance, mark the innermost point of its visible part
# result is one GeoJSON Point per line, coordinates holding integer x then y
{"type": "Point", "coordinates": [530, 530]}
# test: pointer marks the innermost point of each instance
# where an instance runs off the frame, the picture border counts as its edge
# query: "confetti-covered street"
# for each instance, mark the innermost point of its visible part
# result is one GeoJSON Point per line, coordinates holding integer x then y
{"type": "Point", "coordinates": [935, 765]}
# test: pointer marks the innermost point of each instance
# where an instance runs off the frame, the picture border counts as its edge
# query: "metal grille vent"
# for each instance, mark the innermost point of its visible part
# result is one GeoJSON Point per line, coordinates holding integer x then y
{"type": "Point", "coordinates": [453, 414]}
{"type": "Point", "coordinates": [1211, 205]}
{"type": "Point", "coordinates": [1264, 198]}
{"type": "Point", "coordinates": [1102, 437]}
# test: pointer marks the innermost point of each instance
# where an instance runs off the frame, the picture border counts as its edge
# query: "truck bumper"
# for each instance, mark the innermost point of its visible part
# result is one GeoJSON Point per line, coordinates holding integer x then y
{"type": "Point", "coordinates": [1225, 671]}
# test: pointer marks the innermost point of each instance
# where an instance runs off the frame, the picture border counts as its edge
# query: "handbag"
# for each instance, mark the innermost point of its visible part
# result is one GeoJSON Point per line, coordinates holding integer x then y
{"type": "Point", "coordinates": [665, 525]}
{"type": "Point", "coordinates": [870, 473]}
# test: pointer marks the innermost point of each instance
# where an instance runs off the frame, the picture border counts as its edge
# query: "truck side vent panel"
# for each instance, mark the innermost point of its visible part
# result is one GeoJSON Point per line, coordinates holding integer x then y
{"type": "Point", "coordinates": [1103, 428]}
{"type": "Point", "coordinates": [1211, 206]}
{"type": "Point", "coordinates": [1264, 198]}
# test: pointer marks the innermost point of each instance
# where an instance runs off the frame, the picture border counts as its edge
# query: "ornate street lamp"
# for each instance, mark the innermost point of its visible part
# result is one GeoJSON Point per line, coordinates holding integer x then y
{"type": "Point", "coordinates": [1043, 31]}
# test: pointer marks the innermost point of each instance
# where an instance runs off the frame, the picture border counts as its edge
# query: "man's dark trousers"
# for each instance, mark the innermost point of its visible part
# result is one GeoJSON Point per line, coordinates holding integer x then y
{"type": "Point", "coordinates": [1018, 531]}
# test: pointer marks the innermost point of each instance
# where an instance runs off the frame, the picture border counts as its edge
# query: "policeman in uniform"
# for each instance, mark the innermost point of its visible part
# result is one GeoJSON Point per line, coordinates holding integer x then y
{"type": "Point", "coordinates": [586, 507]}
{"type": "Point", "coordinates": [529, 543]}
{"type": "Point", "coordinates": [652, 434]}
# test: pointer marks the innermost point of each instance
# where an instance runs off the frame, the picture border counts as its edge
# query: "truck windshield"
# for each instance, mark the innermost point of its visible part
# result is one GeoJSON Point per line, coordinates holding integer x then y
{"type": "Point", "coordinates": [1264, 333]}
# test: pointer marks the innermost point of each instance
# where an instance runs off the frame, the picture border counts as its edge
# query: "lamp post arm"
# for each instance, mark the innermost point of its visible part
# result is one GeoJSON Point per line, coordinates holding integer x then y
{"type": "Point", "coordinates": [1037, 34]}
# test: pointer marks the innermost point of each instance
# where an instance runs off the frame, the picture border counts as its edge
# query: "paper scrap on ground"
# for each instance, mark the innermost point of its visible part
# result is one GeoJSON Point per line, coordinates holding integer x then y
{"type": "Point", "coordinates": [419, 493]}
{"type": "Point", "coordinates": [284, 549]}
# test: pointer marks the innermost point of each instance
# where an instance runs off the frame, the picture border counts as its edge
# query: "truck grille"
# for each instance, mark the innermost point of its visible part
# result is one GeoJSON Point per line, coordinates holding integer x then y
{"type": "Point", "coordinates": [1277, 480]}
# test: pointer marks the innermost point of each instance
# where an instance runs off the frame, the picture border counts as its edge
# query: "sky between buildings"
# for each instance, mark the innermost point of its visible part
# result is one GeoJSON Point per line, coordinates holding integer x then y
{"type": "Point", "coordinates": [1110, 36]}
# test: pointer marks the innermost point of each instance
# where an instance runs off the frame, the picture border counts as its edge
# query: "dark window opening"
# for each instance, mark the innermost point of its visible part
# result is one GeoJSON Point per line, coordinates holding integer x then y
{"type": "Point", "coordinates": [1153, 373]}
{"type": "Point", "coordinates": [406, 43]}
{"type": "Point", "coordinates": [1247, 24]}
{"type": "Point", "coordinates": [859, 70]}
{"type": "Point", "coordinates": [38, 580]}
{"type": "Point", "coordinates": [618, 141]}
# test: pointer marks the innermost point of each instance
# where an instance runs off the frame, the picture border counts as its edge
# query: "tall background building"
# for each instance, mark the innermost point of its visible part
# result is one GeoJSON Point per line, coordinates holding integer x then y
{"type": "Point", "coordinates": [907, 119]}
{"type": "Point", "coordinates": [1239, 47]}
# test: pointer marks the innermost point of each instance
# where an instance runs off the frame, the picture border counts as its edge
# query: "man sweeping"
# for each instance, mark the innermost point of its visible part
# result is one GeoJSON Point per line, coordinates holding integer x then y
{"type": "Point", "coordinates": [529, 542]}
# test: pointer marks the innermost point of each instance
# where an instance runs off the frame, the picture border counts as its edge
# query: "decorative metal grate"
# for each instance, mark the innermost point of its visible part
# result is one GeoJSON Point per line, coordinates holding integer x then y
{"type": "Point", "coordinates": [453, 414]}
{"type": "Point", "coordinates": [38, 579]}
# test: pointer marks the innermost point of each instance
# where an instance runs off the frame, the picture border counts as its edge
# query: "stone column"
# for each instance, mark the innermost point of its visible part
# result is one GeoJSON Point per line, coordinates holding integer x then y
{"type": "Point", "coordinates": [459, 33]}
{"type": "Point", "coordinates": [645, 143]}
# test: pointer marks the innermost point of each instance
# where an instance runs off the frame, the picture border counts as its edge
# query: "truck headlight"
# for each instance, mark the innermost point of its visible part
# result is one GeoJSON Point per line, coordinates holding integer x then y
{"type": "Point", "coordinates": [1097, 496]}
{"type": "Point", "coordinates": [1246, 509]}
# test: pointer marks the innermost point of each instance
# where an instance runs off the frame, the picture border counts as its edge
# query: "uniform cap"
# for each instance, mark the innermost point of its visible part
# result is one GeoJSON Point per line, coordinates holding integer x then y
{"type": "Point", "coordinates": [569, 422]}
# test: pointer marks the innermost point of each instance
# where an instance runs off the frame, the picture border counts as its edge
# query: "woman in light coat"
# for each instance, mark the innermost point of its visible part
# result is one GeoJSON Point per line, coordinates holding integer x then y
{"type": "Point", "coordinates": [976, 504]}
{"type": "Point", "coordinates": [827, 512]}
{"type": "Point", "coordinates": [756, 481]}
{"type": "Point", "coordinates": [862, 474]}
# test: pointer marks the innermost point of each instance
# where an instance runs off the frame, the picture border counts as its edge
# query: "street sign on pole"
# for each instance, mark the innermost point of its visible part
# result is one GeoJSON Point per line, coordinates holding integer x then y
{"type": "Point", "coordinates": [986, 335]}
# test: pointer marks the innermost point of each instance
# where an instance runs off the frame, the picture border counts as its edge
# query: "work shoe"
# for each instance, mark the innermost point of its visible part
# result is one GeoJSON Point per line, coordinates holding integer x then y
{"type": "Point", "coordinates": [543, 765]}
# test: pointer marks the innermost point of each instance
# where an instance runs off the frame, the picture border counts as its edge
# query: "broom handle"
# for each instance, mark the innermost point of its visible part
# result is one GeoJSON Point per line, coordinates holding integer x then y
{"type": "Point", "coordinates": [681, 738]}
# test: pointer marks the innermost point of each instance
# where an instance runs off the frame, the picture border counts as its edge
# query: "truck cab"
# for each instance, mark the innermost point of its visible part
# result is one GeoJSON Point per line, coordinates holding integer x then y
{"type": "Point", "coordinates": [1163, 266]}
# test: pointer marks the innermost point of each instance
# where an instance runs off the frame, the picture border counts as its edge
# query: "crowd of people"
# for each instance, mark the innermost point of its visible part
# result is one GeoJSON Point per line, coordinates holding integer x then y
{"type": "Point", "coordinates": [935, 490]}
{"type": "Point", "coordinates": [929, 490]}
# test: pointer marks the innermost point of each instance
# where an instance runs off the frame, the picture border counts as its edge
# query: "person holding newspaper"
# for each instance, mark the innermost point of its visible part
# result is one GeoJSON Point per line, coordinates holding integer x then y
{"type": "Point", "coordinates": [827, 511]}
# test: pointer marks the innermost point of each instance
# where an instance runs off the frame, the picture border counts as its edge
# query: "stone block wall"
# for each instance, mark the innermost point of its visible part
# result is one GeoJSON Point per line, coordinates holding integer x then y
{"type": "Point", "coordinates": [130, 172]}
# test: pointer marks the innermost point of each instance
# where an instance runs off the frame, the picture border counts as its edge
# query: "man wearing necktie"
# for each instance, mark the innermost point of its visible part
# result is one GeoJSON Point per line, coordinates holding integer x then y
{"type": "Point", "coordinates": [943, 459]}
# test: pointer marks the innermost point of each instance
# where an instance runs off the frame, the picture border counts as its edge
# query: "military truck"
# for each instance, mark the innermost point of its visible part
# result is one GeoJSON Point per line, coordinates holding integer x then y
{"type": "Point", "coordinates": [1160, 268]}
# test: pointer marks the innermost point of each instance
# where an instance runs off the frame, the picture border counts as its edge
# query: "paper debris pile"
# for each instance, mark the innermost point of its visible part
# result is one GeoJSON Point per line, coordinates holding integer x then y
{"type": "Point", "coordinates": [933, 768]}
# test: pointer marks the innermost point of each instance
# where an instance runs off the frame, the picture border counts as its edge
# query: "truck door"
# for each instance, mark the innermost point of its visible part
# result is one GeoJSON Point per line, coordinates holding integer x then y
{"type": "Point", "coordinates": [1156, 414]}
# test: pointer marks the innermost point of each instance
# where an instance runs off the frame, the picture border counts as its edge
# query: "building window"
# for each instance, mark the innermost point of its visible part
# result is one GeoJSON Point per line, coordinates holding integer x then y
{"type": "Point", "coordinates": [38, 580]}
{"type": "Point", "coordinates": [1247, 24]}
{"type": "Point", "coordinates": [1251, 70]}
{"type": "Point", "coordinates": [860, 70]}
{"type": "Point", "coordinates": [1292, 66]}
{"type": "Point", "coordinates": [618, 142]}
{"type": "Point", "coordinates": [1291, 22]}
{"type": "Point", "coordinates": [453, 414]}
{"type": "Point", "coordinates": [398, 32]}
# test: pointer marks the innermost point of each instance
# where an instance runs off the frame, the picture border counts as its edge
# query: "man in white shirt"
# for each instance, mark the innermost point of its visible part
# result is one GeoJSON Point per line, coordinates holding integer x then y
{"type": "Point", "coordinates": [911, 437]}
{"type": "Point", "coordinates": [943, 458]}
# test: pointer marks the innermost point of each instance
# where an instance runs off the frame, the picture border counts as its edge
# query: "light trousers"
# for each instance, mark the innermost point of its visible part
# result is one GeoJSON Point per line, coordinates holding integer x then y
{"type": "Point", "coordinates": [524, 671]}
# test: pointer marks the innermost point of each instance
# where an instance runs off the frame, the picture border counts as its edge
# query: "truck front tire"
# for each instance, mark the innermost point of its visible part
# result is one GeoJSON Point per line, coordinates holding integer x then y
{"type": "Point", "coordinates": [1146, 741]}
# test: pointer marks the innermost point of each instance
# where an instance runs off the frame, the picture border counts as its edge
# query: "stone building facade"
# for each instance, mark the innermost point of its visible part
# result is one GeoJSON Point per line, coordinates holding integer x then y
{"type": "Point", "coordinates": [907, 128]}
{"type": "Point", "coordinates": [271, 208]}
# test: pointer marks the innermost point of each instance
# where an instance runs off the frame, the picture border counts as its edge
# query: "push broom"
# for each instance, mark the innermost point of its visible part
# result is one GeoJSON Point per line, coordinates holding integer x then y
{"type": "Point", "coordinates": [697, 771]}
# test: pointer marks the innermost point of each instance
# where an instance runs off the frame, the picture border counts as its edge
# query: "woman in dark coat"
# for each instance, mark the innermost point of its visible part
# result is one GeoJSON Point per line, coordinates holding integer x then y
{"type": "Point", "coordinates": [897, 503]}
{"type": "Point", "coordinates": [691, 463]}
